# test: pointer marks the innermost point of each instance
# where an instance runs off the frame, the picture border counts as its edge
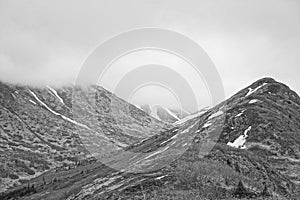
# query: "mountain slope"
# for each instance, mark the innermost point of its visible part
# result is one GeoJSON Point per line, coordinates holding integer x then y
{"type": "Point", "coordinates": [46, 128]}
{"type": "Point", "coordinates": [247, 147]}
{"type": "Point", "coordinates": [265, 166]}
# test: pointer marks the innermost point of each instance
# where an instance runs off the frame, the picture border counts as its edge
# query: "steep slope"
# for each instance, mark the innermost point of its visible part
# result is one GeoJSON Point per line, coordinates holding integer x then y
{"type": "Point", "coordinates": [246, 147]}
{"type": "Point", "coordinates": [176, 164]}
{"type": "Point", "coordinates": [268, 113]}
{"type": "Point", "coordinates": [46, 128]}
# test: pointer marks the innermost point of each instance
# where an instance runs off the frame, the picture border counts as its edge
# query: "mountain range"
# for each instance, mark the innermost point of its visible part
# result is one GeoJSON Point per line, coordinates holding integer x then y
{"type": "Point", "coordinates": [47, 128]}
{"type": "Point", "coordinates": [86, 143]}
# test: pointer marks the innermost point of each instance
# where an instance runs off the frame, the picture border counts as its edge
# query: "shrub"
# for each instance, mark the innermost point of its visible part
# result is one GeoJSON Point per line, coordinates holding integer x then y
{"type": "Point", "coordinates": [13, 176]}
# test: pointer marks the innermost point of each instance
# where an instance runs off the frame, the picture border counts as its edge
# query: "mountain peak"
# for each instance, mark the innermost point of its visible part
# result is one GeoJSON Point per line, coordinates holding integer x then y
{"type": "Point", "coordinates": [266, 80]}
{"type": "Point", "coordinates": [265, 88]}
{"type": "Point", "coordinates": [270, 84]}
{"type": "Point", "coordinates": [164, 114]}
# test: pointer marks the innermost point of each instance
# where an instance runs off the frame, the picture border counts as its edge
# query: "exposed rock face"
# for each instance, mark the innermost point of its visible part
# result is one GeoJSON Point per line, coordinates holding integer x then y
{"type": "Point", "coordinates": [245, 147]}
{"type": "Point", "coordinates": [45, 128]}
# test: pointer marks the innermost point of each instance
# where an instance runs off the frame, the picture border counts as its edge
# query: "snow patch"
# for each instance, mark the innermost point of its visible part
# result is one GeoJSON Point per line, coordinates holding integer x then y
{"type": "Point", "coordinates": [253, 101]}
{"type": "Point", "coordinates": [32, 102]}
{"type": "Point", "coordinates": [240, 141]}
{"type": "Point", "coordinates": [251, 91]}
{"type": "Point", "coordinates": [207, 124]}
{"type": "Point", "coordinates": [240, 114]}
{"type": "Point", "coordinates": [34, 95]}
{"type": "Point", "coordinates": [56, 94]}
{"type": "Point", "coordinates": [175, 130]}
{"type": "Point", "coordinates": [55, 113]}
{"type": "Point", "coordinates": [158, 178]}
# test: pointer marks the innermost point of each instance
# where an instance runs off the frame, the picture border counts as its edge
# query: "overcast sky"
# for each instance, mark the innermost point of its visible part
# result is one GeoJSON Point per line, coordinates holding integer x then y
{"type": "Point", "coordinates": [45, 42]}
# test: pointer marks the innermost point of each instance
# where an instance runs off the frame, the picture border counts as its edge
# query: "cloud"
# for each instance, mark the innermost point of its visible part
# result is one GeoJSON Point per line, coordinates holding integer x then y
{"type": "Point", "coordinates": [45, 42]}
{"type": "Point", "coordinates": [32, 56]}
{"type": "Point", "coordinates": [246, 40]}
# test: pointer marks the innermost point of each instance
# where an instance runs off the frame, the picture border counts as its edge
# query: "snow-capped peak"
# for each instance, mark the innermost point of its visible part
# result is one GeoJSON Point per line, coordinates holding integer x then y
{"type": "Point", "coordinates": [164, 114]}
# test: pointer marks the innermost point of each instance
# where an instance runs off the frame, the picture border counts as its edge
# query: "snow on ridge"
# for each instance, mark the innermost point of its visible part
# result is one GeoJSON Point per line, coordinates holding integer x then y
{"type": "Point", "coordinates": [240, 141]}
{"type": "Point", "coordinates": [56, 94]}
{"type": "Point", "coordinates": [139, 107]}
{"type": "Point", "coordinates": [251, 91]}
{"type": "Point", "coordinates": [153, 113]}
{"type": "Point", "coordinates": [172, 114]}
{"type": "Point", "coordinates": [55, 113]}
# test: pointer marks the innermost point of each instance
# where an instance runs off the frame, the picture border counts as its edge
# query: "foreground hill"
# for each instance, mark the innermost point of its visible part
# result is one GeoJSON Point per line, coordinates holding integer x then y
{"type": "Point", "coordinates": [47, 128]}
{"type": "Point", "coordinates": [247, 147]}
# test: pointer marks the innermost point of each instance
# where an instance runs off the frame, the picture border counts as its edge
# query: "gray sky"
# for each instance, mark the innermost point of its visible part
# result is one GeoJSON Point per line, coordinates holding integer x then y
{"type": "Point", "coordinates": [45, 42]}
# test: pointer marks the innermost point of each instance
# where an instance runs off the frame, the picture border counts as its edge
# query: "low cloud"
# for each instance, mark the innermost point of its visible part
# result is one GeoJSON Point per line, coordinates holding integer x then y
{"type": "Point", "coordinates": [46, 42]}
